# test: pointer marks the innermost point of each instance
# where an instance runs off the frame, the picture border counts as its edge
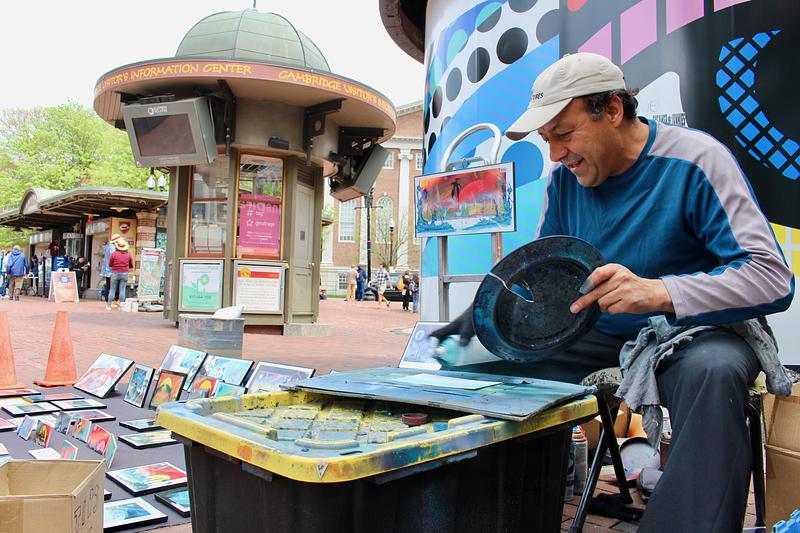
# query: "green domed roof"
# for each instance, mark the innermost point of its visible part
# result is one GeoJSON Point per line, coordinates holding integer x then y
{"type": "Point", "coordinates": [253, 36]}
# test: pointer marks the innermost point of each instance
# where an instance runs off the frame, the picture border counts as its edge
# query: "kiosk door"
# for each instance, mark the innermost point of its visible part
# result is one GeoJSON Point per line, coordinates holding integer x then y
{"type": "Point", "coordinates": [303, 255]}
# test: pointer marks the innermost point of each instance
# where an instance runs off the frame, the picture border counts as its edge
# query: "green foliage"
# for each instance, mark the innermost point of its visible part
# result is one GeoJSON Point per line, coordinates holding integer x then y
{"type": "Point", "coordinates": [62, 148]}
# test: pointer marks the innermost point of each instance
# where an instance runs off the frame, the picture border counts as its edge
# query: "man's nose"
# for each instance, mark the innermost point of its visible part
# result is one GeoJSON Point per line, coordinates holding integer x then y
{"type": "Point", "coordinates": [557, 151]}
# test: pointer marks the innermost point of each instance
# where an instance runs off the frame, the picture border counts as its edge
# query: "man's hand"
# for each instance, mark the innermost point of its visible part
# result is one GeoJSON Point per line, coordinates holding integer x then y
{"type": "Point", "coordinates": [462, 326]}
{"type": "Point", "coordinates": [618, 290]}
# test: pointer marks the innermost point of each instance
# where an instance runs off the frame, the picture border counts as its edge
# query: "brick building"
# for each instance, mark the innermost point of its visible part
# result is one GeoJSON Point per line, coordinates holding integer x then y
{"type": "Point", "coordinates": [392, 219]}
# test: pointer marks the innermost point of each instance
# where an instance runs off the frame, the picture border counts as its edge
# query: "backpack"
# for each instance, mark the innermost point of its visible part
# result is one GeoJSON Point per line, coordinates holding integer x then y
{"type": "Point", "coordinates": [401, 284]}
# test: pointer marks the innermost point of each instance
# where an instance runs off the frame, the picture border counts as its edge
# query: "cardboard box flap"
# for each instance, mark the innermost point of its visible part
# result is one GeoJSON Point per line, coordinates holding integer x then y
{"type": "Point", "coordinates": [34, 478]}
{"type": "Point", "coordinates": [783, 420]}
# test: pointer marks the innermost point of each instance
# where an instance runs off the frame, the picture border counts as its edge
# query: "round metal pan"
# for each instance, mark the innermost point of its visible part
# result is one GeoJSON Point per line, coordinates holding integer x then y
{"type": "Point", "coordinates": [521, 310]}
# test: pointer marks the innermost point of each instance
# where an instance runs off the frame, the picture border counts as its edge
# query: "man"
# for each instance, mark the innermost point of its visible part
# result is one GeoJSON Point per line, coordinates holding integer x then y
{"type": "Point", "coordinates": [361, 282]}
{"type": "Point", "coordinates": [81, 268]}
{"type": "Point", "coordinates": [106, 270]}
{"type": "Point", "coordinates": [382, 282]}
{"type": "Point", "coordinates": [675, 218]}
{"type": "Point", "coordinates": [16, 268]}
{"type": "Point", "coordinates": [352, 278]}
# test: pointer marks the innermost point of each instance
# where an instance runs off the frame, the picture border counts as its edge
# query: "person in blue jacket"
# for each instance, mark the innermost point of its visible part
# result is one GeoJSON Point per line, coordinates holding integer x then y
{"type": "Point", "coordinates": [361, 283]}
{"type": "Point", "coordinates": [106, 270]}
{"type": "Point", "coordinates": [687, 249]}
{"type": "Point", "coordinates": [16, 268]}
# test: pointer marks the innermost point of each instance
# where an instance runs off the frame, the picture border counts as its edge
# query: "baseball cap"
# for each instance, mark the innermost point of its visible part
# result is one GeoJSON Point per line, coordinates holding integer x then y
{"type": "Point", "coordinates": [571, 76]}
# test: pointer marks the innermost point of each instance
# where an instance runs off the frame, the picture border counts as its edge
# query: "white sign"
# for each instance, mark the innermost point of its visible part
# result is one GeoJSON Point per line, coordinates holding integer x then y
{"type": "Point", "coordinates": [150, 273]}
{"type": "Point", "coordinates": [258, 287]}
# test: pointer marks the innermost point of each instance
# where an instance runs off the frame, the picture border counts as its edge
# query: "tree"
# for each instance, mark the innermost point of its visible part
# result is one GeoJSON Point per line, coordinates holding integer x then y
{"type": "Point", "coordinates": [390, 242]}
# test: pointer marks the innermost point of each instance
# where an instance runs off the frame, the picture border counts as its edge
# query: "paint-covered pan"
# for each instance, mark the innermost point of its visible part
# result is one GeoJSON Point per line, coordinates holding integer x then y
{"type": "Point", "coordinates": [521, 309]}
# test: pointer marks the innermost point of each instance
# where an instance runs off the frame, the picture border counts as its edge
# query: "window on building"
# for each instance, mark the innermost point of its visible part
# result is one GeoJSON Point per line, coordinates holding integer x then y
{"type": "Point", "coordinates": [260, 198]}
{"type": "Point", "coordinates": [420, 161]}
{"type": "Point", "coordinates": [209, 209]}
{"type": "Point", "coordinates": [347, 221]}
{"type": "Point", "coordinates": [384, 219]}
{"type": "Point", "coordinates": [389, 163]}
{"type": "Point", "coordinates": [342, 284]}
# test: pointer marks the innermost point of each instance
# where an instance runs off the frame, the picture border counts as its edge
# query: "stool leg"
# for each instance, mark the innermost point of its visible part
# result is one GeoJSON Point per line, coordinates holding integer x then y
{"type": "Point", "coordinates": [754, 415]}
{"type": "Point", "coordinates": [613, 449]}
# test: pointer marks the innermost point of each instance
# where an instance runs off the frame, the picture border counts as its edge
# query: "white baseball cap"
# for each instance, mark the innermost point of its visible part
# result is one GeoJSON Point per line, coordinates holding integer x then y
{"type": "Point", "coordinates": [571, 76]}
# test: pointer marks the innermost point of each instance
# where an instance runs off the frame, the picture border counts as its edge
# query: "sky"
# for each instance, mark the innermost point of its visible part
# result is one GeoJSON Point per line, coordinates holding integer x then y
{"type": "Point", "coordinates": [54, 51]}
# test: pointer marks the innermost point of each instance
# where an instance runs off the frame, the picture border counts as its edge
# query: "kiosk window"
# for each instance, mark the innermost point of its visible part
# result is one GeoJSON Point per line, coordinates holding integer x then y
{"type": "Point", "coordinates": [209, 209]}
{"type": "Point", "coordinates": [260, 201]}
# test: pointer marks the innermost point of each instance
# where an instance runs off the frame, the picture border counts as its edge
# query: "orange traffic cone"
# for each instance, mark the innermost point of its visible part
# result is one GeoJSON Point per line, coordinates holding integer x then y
{"type": "Point", "coordinates": [8, 373]}
{"type": "Point", "coordinates": [60, 369]}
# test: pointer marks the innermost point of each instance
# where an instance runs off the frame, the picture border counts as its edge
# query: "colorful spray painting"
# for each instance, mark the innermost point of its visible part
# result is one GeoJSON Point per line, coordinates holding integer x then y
{"type": "Point", "coordinates": [419, 352]}
{"type": "Point", "coordinates": [138, 386]}
{"type": "Point", "coordinates": [168, 388]}
{"type": "Point", "coordinates": [177, 500]}
{"type": "Point", "coordinates": [141, 424]}
{"type": "Point", "coordinates": [226, 389]}
{"type": "Point", "coordinates": [140, 480]}
{"type": "Point", "coordinates": [68, 451]}
{"type": "Point", "coordinates": [226, 369]}
{"type": "Point", "coordinates": [462, 202]}
{"type": "Point", "coordinates": [130, 513]}
{"type": "Point", "coordinates": [183, 360]}
{"type": "Point", "coordinates": [101, 377]}
{"type": "Point", "coordinates": [83, 403]}
{"type": "Point", "coordinates": [80, 429]}
{"type": "Point", "coordinates": [43, 434]}
{"type": "Point", "coordinates": [30, 408]}
{"type": "Point", "coordinates": [268, 376]}
{"type": "Point", "coordinates": [152, 439]}
{"type": "Point", "coordinates": [95, 415]}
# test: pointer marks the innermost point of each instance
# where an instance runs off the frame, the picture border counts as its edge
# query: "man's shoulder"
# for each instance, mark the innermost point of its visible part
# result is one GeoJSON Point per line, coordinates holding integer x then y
{"type": "Point", "coordinates": [696, 147]}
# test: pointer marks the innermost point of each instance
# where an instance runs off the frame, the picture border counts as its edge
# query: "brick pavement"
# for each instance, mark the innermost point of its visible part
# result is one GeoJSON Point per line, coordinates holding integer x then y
{"type": "Point", "coordinates": [362, 336]}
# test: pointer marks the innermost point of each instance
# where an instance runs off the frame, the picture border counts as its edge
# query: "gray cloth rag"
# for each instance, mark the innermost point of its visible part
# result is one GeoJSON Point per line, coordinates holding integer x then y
{"type": "Point", "coordinates": [640, 358]}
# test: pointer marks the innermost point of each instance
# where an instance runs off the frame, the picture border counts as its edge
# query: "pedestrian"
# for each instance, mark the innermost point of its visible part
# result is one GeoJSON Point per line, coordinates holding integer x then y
{"type": "Point", "coordinates": [382, 282]}
{"type": "Point", "coordinates": [352, 280]}
{"type": "Point", "coordinates": [106, 270]}
{"type": "Point", "coordinates": [35, 273]}
{"type": "Point", "coordinates": [406, 288]}
{"type": "Point", "coordinates": [81, 268]}
{"type": "Point", "coordinates": [687, 247]}
{"type": "Point", "coordinates": [3, 277]}
{"type": "Point", "coordinates": [121, 264]}
{"type": "Point", "coordinates": [414, 293]}
{"type": "Point", "coordinates": [16, 268]}
{"type": "Point", "coordinates": [361, 282]}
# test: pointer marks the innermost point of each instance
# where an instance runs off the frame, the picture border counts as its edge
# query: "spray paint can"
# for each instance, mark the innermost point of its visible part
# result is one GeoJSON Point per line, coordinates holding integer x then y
{"type": "Point", "coordinates": [569, 489]}
{"type": "Point", "coordinates": [581, 458]}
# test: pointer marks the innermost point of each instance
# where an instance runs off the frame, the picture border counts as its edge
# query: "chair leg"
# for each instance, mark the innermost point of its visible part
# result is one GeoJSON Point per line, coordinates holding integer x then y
{"type": "Point", "coordinates": [607, 442]}
{"type": "Point", "coordinates": [754, 416]}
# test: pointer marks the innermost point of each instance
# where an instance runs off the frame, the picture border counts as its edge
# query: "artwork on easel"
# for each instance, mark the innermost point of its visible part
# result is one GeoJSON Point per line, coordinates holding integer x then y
{"type": "Point", "coordinates": [139, 385]}
{"type": "Point", "coordinates": [184, 360]}
{"type": "Point", "coordinates": [101, 377]}
{"type": "Point", "coordinates": [167, 388]}
{"type": "Point", "coordinates": [268, 376]}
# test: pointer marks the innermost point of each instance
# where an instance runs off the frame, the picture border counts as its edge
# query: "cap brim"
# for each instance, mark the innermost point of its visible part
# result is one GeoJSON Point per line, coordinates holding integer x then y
{"type": "Point", "coordinates": [534, 118]}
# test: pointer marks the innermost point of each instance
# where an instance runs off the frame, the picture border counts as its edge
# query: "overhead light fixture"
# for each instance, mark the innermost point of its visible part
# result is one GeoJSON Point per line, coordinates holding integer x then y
{"type": "Point", "coordinates": [277, 142]}
{"type": "Point", "coordinates": [118, 209]}
{"type": "Point", "coordinates": [151, 180]}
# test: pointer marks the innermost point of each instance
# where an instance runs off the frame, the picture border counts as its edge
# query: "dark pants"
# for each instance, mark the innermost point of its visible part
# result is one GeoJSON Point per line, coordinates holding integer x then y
{"type": "Point", "coordinates": [406, 299]}
{"type": "Point", "coordinates": [108, 289]}
{"type": "Point", "coordinates": [705, 387]}
{"type": "Point", "coordinates": [359, 290]}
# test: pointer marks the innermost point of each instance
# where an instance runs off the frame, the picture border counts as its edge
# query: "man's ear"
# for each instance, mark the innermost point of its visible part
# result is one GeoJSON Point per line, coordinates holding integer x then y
{"type": "Point", "coordinates": [615, 111]}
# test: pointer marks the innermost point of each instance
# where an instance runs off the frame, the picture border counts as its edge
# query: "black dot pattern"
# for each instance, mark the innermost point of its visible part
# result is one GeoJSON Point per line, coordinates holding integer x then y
{"type": "Point", "coordinates": [437, 102]}
{"type": "Point", "coordinates": [453, 86]}
{"type": "Point", "coordinates": [511, 45]}
{"type": "Point", "coordinates": [548, 26]}
{"type": "Point", "coordinates": [426, 119]}
{"type": "Point", "coordinates": [478, 65]}
{"type": "Point", "coordinates": [490, 21]}
{"type": "Point", "coordinates": [431, 142]}
{"type": "Point", "coordinates": [521, 6]}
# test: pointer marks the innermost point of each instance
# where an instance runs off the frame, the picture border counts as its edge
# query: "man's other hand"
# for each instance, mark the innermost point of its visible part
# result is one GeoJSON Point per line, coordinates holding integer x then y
{"type": "Point", "coordinates": [461, 326]}
{"type": "Point", "coordinates": [618, 290]}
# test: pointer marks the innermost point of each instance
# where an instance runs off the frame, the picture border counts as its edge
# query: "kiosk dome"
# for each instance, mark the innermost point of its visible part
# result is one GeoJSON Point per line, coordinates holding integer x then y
{"type": "Point", "coordinates": [251, 35]}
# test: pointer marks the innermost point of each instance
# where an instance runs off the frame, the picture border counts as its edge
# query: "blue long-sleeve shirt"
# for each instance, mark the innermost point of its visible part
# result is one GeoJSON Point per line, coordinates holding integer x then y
{"type": "Point", "coordinates": [684, 213]}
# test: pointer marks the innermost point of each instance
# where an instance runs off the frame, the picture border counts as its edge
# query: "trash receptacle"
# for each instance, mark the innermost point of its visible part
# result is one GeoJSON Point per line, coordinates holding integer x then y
{"type": "Point", "coordinates": [307, 462]}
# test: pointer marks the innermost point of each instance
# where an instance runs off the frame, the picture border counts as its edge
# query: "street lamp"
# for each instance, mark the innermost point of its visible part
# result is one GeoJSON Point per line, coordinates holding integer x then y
{"type": "Point", "coordinates": [369, 207]}
{"type": "Point", "coordinates": [391, 241]}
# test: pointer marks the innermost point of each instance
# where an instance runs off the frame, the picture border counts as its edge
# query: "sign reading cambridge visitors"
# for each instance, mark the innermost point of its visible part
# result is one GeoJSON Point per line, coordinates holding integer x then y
{"type": "Point", "coordinates": [201, 285]}
{"type": "Point", "coordinates": [150, 271]}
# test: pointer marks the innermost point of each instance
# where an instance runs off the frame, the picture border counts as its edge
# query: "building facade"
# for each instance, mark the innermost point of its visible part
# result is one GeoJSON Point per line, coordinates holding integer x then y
{"type": "Point", "coordinates": [391, 217]}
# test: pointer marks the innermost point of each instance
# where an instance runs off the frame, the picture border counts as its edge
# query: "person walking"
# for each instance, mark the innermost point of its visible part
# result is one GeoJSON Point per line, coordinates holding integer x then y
{"type": "Point", "coordinates": [382, 282]}
{"type": "Point", "coordinates": [106, 270]}
{"type": "Point", "coordinates": [3, 276]}
{"type": "Point", "coordinates": [16, 268]}
{"type": "Point", "coordinates": [121, 264]}
{"type": "Point", "coordinates": [361, 282]}
{"type": "Point", "coordinates": [352, 280]}
{"type": "Point", "coordinates": [414, 293]}
{"type": "Point", "coordinates": [35, 273]}
{"type": "Point", "coordinates": [81, 267]}
{"type": "Point", "coordinates": [406, 279]}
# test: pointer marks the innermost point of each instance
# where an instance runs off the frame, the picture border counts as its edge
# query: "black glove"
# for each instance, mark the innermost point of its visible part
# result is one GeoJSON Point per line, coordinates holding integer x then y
{"type": "Point", "coordinates": [462, 326]}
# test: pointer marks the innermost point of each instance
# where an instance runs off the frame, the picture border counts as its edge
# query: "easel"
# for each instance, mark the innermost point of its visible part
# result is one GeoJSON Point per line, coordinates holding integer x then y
{"type": "Point", "coordinates": [444, 279]}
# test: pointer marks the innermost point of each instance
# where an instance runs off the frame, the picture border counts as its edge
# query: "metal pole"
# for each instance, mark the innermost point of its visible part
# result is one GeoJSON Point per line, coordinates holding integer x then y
{"type": "Point", "coordinates": [391, 245]}
{"type": "Point", "coordinates": [368, 207]}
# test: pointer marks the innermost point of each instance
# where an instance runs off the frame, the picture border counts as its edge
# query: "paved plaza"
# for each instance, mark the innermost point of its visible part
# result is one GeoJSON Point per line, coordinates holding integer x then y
{"type": "Point", "coordinates": [362, 335]}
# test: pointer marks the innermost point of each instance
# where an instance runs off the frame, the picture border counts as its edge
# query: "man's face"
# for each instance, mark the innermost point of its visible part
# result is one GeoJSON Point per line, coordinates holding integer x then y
{"type": "Point", "coordinates": [585, 146]}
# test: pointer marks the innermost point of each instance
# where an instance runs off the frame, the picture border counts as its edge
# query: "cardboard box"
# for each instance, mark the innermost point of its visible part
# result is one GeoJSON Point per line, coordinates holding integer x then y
{"type": "Point", "coordinates": [51, 496]}
{"type": "Point", "coordinates": [592, 428]}
{"type": "Point", "coordinates": [782, 417]}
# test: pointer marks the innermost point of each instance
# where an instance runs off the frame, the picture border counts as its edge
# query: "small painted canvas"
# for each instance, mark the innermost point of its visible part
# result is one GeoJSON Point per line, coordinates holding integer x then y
{"type": "Point", "coordinates": [68, 451]}
{"type": "Point", "coordinates": [80, 429]}
{"type": "Point", "coordinates": [184, 360]}
{"type": "Point", "coordinates": [141, 424]}
{"type": "Point", "coordinates": [145, 479]}
{"type": "Point", "coordinates": [111, 451]}
{"type": "Point", "coordinates": [26, 429]}
{"type": "Point", "coordinates": [83, 403]}
{"type": "Point", "coordinates": [62, 422]}
{"type": "Point", "coordinates": [177, 500]}
{"type": "Point", "coordinates": [139, 385]}
{"type": "Point", "coordinates": [465, 201]}
{"type": "Point", "coordinates": [45, 454]}
{"type": "Point", "coordinates": [5, 425]}
{"type": "Point", "coordinates": [98, 439]}
{"type": "Point", "coordinates": [151, 439]}
{"type": "Point", "coordinates": [3, 449]}
{"type": "Point", "coordinates": [49, 418]}
{"type": "Point", "coordinates": [226, 369]}
{"type": "Point", "coordinates": [30, 409]}
{"type": "Point", "coordinates": [130, 513]}
{"type": "Point", "coordinates": [11, 393]}
{"type": "Point", "coordinates": [202, 387]}
{"type": "Point", "coordinates": [226, 389]}
{"type": "Point", "coordinates": [168, 388]}
{"type": "Point", "coordinates": [34, 398]}
{"type": "Point", "coordinates": [268, 376]}
{"type": "Point", "coordinates": [419, 349]}
{"type": "Point", "coordinates": [95, 415]}
{"type": "Point", "coordinates": [100, 378]}
{"type": "Point", "coordinates": [43, 434]}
